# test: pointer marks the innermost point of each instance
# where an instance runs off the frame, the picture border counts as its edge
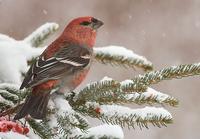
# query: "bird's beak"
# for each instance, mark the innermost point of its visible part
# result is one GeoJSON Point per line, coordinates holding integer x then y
{"type": "Point", "coordinates": [96, 24]}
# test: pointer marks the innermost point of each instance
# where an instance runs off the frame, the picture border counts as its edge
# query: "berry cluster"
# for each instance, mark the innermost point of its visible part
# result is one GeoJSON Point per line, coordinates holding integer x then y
{"type": "Point", "coordinates": [6, 125]}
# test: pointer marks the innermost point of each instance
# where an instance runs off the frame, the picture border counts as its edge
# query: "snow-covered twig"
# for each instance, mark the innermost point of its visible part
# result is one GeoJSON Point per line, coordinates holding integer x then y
{"type": "Point", "coordinates": [150, 96]}
{"type": "Point", "coordinates": [98, 88]}
{"type": "Point", "coordinates": [105, 131]}
{"type": "Point", "coordinates": [141, 82]}
{"type": "Point", "coordinates": [5, 104]}
{"type": "Point", "coordinates": [12, 135]}
{"type": "Point", "coordinates": [108, 91]}
{"type": "Point", "coordinates": [40, 128]}
{"type": "Point", "coordinates": [10, 96]}
{"type": "Point", "coordinates": [117, 55]}
{"type": "Point", "coordinates": [12, 93]}
{"type": "Point", "coordinates": [125, 116]}
{"type": "Point", "coordinates": [68, 123]}
{"type": "Point", "coordinates": [36, 38]}
{"type": "Point", "coordinates": [23, 51]}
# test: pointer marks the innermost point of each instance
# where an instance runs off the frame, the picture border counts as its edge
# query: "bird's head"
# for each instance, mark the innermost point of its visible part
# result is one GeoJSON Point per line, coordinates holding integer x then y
{"type": "Point", "coordinates": [83, 30]}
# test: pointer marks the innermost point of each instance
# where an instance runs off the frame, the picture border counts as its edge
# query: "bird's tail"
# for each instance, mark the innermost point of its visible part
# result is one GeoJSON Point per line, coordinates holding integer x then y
{"type": "Point", "coordinates": [35, 105]}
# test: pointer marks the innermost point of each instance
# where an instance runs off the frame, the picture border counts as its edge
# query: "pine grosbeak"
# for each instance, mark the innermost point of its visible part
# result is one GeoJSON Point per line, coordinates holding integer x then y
{"type": "Point", "coordinates": [62, 66]}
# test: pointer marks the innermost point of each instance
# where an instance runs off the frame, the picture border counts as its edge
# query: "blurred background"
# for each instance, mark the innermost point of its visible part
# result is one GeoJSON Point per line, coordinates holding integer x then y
{"type": "Point", "coordinates": [166, 32]}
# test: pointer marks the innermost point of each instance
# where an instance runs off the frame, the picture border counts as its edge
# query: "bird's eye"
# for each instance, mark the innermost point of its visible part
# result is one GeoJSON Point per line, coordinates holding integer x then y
{"type": "Point", "coordinates": [85, 23]}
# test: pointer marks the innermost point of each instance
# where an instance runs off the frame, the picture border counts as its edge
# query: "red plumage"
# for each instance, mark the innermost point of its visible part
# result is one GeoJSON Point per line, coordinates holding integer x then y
{"type": "Point", "coordinates": [62, 66]}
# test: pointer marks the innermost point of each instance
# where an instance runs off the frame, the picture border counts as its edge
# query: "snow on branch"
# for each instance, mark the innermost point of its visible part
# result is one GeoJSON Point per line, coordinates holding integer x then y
{"type": "Point", "coordinates": [10, 96]}
{"type": "Point", "coordinates": [105, 131]}
{"type": "Point", "coordinates": [98, 90]}
{"type": "Point", "coordinates": [5, 104]}
{"type": "Point", "coordinates": [36, 38]}
{"type": "Point", "coordinates": [140, 83]}
{"type": "Point", "coordinates": [112, 93]}
{"type": "Point", "coordinates": [125, 116]}
{"type": "Point", "coordinates": [116, 55]}
{"type": "Point", "coordinates": [10, 92]}
{"type": "Point", "coordinates": [151, 96]}
{"type": "Point", "coordinates": [12, 68]}
{"type": "Point", "coordinates": [40, 128]}
{"type": "Point", "coordinates": [12, 135]}
{"type": "Point", "coordinates": [71, 124]}
{"type": "Point", "coordinates": [65, 121]}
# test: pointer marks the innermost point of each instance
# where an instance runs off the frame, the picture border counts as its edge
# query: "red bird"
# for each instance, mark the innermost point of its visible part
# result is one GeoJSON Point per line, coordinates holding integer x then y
{"type": "Point", "coordinates": [62, 66]}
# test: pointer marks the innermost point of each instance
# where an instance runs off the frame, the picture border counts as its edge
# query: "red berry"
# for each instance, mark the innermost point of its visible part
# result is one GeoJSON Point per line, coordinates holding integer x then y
{"type": "Point", "coordinates": [18, 129]}
{"type": "Point", "coordinates": [26, 130]}
{"type": "Point", "coordinates": [9, 126]}
{"type": "Point", "coordinates": [97, 110]}
{"type": "Point", "coordinates": [4, 129]}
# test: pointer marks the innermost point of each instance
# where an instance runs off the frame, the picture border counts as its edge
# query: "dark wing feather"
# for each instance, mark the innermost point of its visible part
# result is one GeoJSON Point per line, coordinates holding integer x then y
{"type": "Point", "coordinates": [69, 58]}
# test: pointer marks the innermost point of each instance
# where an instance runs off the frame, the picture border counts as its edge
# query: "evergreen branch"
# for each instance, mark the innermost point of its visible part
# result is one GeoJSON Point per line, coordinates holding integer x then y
{"type": "Point", "coordinates": [71, 129]}
{"type": "Point", "coordinates": [109, 97]}
{"type": "Point", "coordinates": [12, 91]}
{"type": "Point", "coordinates": [8, 96]}
{"type": "Point", "coordinates": [72, 120]}
{"type": "Point", "coordinates": [141, 117]}
{"type": "Point", "coordinates": [11, 88]}
{"type": "Point", "coordinates": [96, 87]}
{"type": "Point", "coordinates": [124, 116]}
{"type": "Point", "coordinates": [37, 38]}
{"type": "Point", "coordinates": [83, 123]}
{"type": "Point", "coordinates": [151, 96]}
{"type": "Point", "coordinates": [65, 125]}
{"type": "Point", "coordinates": [70, 124]}
{"type": "Point", "coordinates": [114, 94]}
{"type": "Point", "coordinates": [116, 55]}
{"type": "Point", "coordinates": [10, 110]}
{"type": "Point", "coordinates": [102, 97]}
{"type": "Point", "coordinates": [5, 104]}
{"type": "Point", "coordinates": [142, 99]}
{"type": "Point", "coordinates": [40, 128]}
{"type": "Point", "coordinates": [140, 83]}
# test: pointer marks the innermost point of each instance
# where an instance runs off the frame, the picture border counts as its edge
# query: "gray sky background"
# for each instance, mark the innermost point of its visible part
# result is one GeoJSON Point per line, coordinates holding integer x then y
{"type": "Point", "coordinates": [165, 31]}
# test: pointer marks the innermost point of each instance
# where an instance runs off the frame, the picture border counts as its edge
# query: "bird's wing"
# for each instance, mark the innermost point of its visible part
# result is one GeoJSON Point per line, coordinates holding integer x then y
{"type": "Point", "coordinates": [68, 59]}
